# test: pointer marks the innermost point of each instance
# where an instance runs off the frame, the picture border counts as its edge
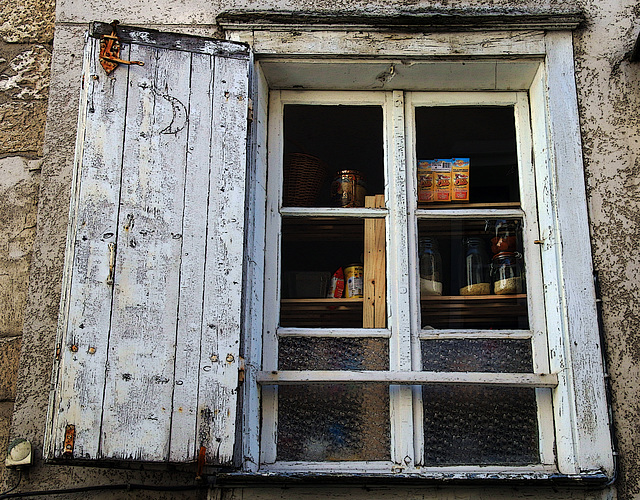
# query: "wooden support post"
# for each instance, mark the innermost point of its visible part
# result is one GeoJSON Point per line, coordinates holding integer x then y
{"type": "Point", "coordinates": [374, 310]}
{"type": "Point", "coordinates": [369, 292]}
{"type": "Point", "coordinates": [380, 271]}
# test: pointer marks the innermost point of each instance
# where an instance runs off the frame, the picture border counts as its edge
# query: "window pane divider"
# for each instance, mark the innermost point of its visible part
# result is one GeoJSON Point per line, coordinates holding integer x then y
{"type": "Point", "coordinates": [333, 212]}
{"type": "Point", "coordinates": [474, 334]}
{"type": "Point", "coordinates": [469, 213]}
{"type": "Point", "coordinates": [291, 377]}
{"type": "Point", "coordinates": [334, 332]}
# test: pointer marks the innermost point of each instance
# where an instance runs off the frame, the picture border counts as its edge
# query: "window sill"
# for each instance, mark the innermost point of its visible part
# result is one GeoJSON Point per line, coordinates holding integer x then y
{"type": "Point", "coordinates": [429, 477]}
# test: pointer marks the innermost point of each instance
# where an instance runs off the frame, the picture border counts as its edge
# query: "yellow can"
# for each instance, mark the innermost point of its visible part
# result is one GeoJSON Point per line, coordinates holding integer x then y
{"type": "Point", "coordinates": [354, 281]}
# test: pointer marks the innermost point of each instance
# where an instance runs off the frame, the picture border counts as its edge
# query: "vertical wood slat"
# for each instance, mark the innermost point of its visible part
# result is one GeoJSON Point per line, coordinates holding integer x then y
{"type": "Point", "coordinates": [93, 227]}
{"type": "Point", "coordinates": [187, 366]}
{"type": "Point", "coordinates": [374, 310]}
{"type": "Point", "coordinates": [138, 393]}
{"type": "Point", "coordinates": [223, 276]}
{"type": "Point", "coordinates": [380, 268]}
{"type": "Point", "coordinates": [369, 286]}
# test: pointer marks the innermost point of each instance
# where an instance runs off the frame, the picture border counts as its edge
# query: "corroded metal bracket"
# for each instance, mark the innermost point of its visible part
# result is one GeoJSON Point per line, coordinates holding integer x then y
{"type": "Point", "coordinates": [110, 51]}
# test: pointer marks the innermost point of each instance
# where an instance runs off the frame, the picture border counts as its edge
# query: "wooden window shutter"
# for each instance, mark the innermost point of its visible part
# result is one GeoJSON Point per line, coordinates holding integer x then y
{"type": "Point", "coordinates": [149, 332]}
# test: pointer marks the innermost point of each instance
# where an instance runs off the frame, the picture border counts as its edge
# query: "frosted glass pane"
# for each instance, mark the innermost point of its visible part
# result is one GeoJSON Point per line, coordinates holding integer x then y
{"type": "Point", "coordinates": [477, 355]}
{"type": "Point", "coordinates": [333, 422]}
{"type": "Point", "coordinates": [296, 353]}
{"type": "Point", "coordinates": [480, 425]}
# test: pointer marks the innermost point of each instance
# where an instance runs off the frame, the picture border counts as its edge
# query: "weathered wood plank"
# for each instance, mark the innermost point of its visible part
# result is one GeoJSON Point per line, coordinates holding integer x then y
{"type": "Point", "coordinates": [380, 44]}
{"type": "Point", "coordinates": [223, 277]}
{"type": "Point", "coordinates": [284, 377]}
{"type": "Point", "coordinates": [334, 332]}
{"type": "Point", "coordinates": [183, 445]}
{"type": "Point", "coordinates": [402, 430]}
{"type": "Point", "coordinates": [94, 227]}
{"type": "Point", "coordinates": [380, 268]}
{"type": "Point", "coordinates": [369, 279]}
{"type": "Point", "coordinates": [137, 408]}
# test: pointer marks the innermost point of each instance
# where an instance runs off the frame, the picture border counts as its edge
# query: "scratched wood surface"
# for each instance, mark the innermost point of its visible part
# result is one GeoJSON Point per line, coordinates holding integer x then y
{"type": "Point", "coordinates": [86, 315]}
{"type": "Point", "coordinates": [149, 363]}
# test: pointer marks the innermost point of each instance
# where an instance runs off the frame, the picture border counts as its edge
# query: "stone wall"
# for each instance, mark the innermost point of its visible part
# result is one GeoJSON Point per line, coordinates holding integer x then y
{"type": "Point", "coordinates": [609, 97]}
{"type": "Point", "coordinates": [26, 37]}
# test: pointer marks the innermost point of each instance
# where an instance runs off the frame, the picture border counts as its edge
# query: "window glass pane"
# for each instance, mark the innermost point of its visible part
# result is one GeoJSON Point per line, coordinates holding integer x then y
{"type": "Point", "coordinates": [333, 422]}
{"type": "Point", "coordinates": [298, 353]}
{"type": "Point", "coordinates": [322, 141]}
{"type": "Point", "coordinates": [484, 136]}
{"type": "Point", "coordinates": [480, 425]}
{"type": "Point", "coordinates": [472, 274]}
{"type": "Point", "coordinates": [324, 277]}
{"type": "Point", "coordinates": [477, 355]}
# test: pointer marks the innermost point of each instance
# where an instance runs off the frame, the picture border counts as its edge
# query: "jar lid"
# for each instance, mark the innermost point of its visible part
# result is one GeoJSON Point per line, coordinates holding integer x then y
{"type": "Point", "coordinates": [349, 172]}
{"type": "Point", "coordinates": [473, 240]}
{"type": "Point", "coordinates": [503, 255]}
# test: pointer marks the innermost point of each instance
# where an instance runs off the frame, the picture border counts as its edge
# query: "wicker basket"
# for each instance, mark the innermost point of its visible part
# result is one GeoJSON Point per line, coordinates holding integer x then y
{"type": "Point", "coordinates": [303, 178]}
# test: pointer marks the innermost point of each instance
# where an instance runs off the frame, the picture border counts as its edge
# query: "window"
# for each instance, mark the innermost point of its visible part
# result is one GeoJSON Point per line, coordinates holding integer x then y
{"type": "Point", "coordinates": [189, 249]}
{"type": "Point", "coordinates": [341, 384]}
{"type": "Point", "coordinates": [552, 329]}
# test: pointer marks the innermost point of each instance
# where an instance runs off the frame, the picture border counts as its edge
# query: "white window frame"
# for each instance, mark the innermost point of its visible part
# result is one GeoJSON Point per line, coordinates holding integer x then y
{"type": "Point", "coordinates": [582, 439]}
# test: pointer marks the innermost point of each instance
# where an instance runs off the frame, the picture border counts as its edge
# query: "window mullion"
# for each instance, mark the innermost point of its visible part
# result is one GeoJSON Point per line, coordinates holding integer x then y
{"type": "Point", "coordinates": [398, 278]}
{"type": "Point", "coordinates": [272, 271]}
{"type": "Point", "coordinates": [412, 237]}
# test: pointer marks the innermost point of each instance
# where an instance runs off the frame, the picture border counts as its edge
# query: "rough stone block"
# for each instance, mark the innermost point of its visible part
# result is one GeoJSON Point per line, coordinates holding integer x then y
{"type": "Point", "coordinates": [22, 127]}
{"type": "Point", "coordinates": [27, 21]}
{"type": "Point", "coordinates": [9, 359]}
{"type": "Point", "coordinates": [19, 185]}
{"type": "Point", "coordinates": [24, 71]}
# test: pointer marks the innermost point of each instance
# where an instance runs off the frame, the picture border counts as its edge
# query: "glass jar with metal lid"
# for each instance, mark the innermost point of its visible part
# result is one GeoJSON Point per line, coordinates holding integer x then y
{"type": "Point", "coordinates": [475, 268]}
{"type": "Point", "coordinates": [430, 267]}
{"type": "Point", "coordinates": [506, 273]}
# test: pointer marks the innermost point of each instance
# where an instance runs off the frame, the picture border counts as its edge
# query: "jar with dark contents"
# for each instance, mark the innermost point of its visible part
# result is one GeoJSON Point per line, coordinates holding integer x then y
{"type": "Point", "coordinates": [505, 237]}
{"type": "Point", "coordinates": [348, 189]}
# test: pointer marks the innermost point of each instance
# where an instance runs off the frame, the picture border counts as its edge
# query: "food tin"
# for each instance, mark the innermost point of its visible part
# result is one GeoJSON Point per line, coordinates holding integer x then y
{"type": "Point", "coordinates": [348, 189]}
{"type": "Point", "coordinates": [354, 280]}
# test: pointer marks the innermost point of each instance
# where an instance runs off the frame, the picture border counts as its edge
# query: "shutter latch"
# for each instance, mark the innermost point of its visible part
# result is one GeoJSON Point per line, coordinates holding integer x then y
{"type": "Point", "coordinates": [110, 51]}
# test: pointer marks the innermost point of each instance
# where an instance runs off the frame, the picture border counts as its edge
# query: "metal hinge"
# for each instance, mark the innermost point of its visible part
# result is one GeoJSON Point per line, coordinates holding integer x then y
{"type": "Point", "coordinates": [250, 111]}
{"type": "Point", "coordinates": [110, 51]}
{"type": "Point", "coordinates": [241, 370]}
{"type": "Point", "coordinates": [69, 440]}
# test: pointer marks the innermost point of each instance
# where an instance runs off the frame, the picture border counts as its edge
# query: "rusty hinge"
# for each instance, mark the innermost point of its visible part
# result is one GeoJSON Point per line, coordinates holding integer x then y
{"type": "Point", "coordinates": [241, 370]}
{"type": "Point", "coordinates": [202, 460]}
{"type": "Point", "coordinates": [110, 51]}
{"type": "Point", "coordinates": [250, 111]}
{"type": "Point", "coordinates": [69, 440]}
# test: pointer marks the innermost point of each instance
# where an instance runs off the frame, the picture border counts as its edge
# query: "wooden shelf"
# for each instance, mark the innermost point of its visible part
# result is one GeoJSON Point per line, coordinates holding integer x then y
{"type": "Point", "coordinates": [440, 206]}
{"type": "Point", "coordinates": [475, 311]}
{"type": "Point", "coordinates": [321, 313]}
{"type": "Point", "coordinates": [320, 302]}
{"type": "Point", "coordinates": [473, 298]}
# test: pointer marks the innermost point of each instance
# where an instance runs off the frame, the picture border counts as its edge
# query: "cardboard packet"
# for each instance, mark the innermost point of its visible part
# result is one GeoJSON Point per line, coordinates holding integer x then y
{"type": "Point", "coordinates": [442, 179]}
{"type": "Point", "coordinates": [425, 181]}
{"type": "Point", "coordinates": [460, 184]}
